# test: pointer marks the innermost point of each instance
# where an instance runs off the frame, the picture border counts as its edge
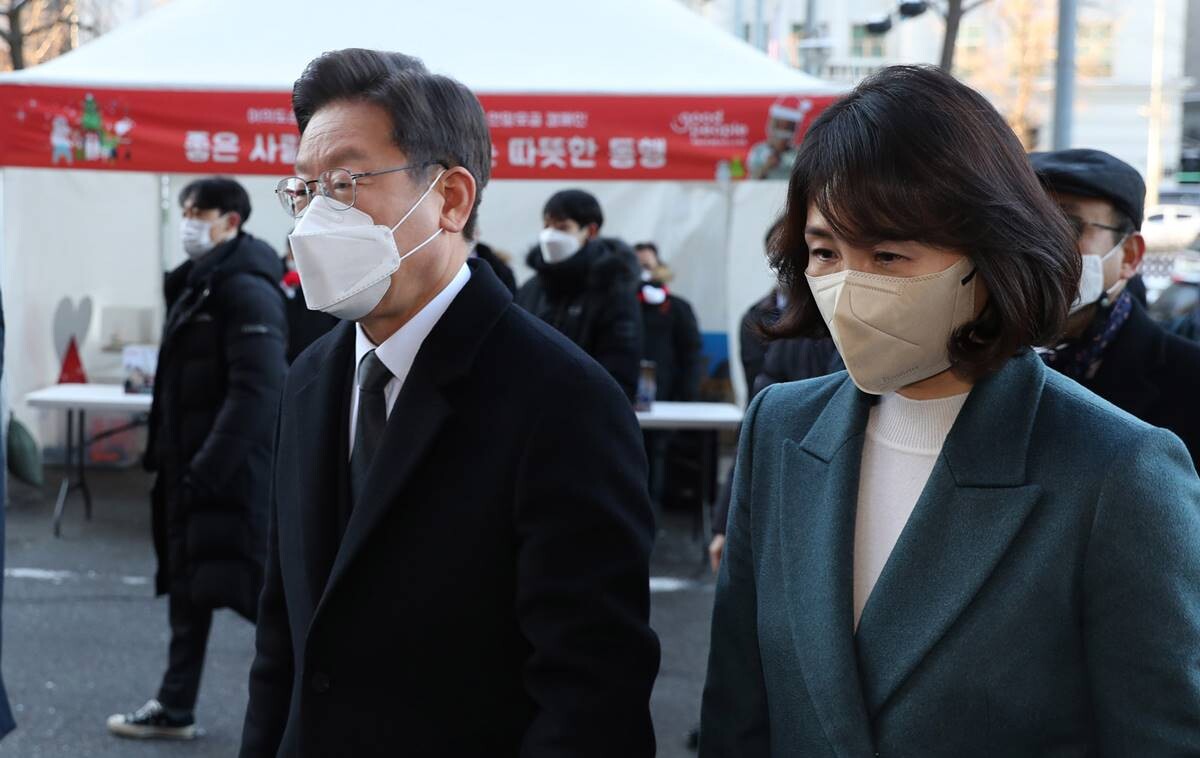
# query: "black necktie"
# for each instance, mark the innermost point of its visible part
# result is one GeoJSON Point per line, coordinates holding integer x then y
{"type": "Point", "coordinates": [373, 376]}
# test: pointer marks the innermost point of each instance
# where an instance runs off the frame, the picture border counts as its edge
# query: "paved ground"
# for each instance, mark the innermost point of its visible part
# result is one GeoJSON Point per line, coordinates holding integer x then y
{"type": "Point", "coordinates": [84, 636]}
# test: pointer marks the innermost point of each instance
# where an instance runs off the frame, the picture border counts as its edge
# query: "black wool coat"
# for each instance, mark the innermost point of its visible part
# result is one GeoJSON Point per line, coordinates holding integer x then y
{"type": "Point", "coordinates": [671, 338]}
{"type": "Point", "coordinates": [1153, 375]}
{"type": "Point", "coordinates": [753, 345]}
{"type": "Point", "coordinates": [216, 393]}
{"type": "Point", "coordinates": [489, 596]}
{"type": "Point", "coordinates": [304, 325]}
{"type": "Point", "coordinates": [502, 270]}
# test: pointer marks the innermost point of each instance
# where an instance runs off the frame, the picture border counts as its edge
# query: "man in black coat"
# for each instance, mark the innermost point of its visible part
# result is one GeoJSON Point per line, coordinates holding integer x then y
{"type": "Point", "coordinates": [795, 359]}
{"type": "Point", "coordinates": [1112, 346]}
{"type": "Point", "coordinates": [586, 286]}
{"type": "Point", "coordinates": [752, 343]}
{"type": "Point", "coordinates": [460, 533]}
{"type": "Point", "coordinates": [671, 340]}
{"type": "Point", "coordinates": [670, 333]}
{"type": "Point", "coordinates": [216, 392]}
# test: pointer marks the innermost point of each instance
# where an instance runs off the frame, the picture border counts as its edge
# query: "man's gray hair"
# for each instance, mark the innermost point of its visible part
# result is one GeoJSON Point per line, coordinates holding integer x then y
{"type": "Point", "coordinates": [436, 120]}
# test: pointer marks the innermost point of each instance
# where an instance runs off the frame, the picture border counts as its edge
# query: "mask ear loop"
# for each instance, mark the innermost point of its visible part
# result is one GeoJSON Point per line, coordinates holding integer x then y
{"type": "Point", "coordinates": [1106, 298]}
{"type": "Point", "coordinates": [420, 200]}
{"type": "Point", "coordinates": [428, 239]}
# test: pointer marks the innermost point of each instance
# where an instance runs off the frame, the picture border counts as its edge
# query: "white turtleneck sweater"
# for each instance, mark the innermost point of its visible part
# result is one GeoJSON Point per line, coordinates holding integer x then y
{"type": "Point", "coordinates": [904, 440]}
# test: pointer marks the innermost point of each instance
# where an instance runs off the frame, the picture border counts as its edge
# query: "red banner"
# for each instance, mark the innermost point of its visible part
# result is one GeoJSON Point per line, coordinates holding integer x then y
{"type": "Point", "coordinates": [533, 136]}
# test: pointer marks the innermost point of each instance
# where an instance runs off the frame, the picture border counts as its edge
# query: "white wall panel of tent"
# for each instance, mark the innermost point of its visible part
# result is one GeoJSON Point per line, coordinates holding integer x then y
{"type": "Point", "coordinates": [109, 235]}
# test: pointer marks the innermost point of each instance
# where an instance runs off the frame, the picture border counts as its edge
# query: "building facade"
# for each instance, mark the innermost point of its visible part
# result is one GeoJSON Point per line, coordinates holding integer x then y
{"type": "Point", "coordinates": [1005, 49]}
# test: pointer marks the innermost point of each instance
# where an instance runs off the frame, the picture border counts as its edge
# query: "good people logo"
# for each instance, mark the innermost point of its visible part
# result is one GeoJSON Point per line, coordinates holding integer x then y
{"type": "Point", "coordinates": [711, 129]}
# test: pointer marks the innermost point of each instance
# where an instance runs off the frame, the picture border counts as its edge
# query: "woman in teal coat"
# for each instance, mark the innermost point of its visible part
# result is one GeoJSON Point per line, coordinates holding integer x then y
{"type": "Point", "coordinates": [950, 550]}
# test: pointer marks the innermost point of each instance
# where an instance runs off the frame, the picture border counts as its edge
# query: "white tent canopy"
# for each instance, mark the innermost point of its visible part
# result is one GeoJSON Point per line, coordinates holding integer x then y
{"type": "Point", "coordinates": [71, 233]}
{"type": "Point", "coordinates": [528, 46]}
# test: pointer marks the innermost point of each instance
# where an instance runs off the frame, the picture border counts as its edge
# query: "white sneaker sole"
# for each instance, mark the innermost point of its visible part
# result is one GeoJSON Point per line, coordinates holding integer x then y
{"type": "Point", "coordinates": [121, 728]}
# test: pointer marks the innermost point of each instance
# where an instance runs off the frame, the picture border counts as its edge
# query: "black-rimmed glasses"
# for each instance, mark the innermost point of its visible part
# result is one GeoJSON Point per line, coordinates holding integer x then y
{"type": "Point", "coordinates": [338, 185]}
{"type": "Point", "coordinates": [1080, 226]}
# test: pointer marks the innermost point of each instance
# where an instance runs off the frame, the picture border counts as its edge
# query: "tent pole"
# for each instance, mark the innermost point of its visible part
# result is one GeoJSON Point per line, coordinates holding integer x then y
{"type": "Point", "coordinates": [4, 411]}
{"type": "Point", "coordinates": [164, 205]}
{"type": "Point", "coordinates": [733, 338]}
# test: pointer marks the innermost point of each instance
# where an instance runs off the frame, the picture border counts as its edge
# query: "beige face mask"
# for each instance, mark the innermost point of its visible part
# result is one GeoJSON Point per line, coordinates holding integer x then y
{"type": "Point", "coordinates": [894, 331]}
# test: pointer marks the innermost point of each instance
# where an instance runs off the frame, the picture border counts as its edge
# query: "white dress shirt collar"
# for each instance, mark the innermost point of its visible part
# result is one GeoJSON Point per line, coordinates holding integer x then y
{"type": "Point", "coordinates": [400, 350]}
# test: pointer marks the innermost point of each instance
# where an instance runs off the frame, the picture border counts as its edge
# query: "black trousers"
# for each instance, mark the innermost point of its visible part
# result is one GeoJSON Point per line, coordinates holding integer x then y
{"type": "Point", "coordinates": [185, 660]}
{"type": "Point", "coordinates": [657, 443]}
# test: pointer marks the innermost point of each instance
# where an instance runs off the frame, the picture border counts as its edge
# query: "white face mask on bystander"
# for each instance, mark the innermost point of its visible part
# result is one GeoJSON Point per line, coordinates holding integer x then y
{"type": "Point", "coordinates": [1091, 280]}
{"type": "Point", "coordinates": [557, 245]}
{"type": "Point", "coordinates": [196, 235]}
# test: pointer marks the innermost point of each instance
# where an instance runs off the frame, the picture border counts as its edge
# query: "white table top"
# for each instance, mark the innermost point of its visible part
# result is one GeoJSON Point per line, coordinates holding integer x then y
{"type": "Point", "coordinates": [89, 397]}
{"type": "Point", "coordinates": [112, 397]}
{"type": "Point", "coordinates": [711, 416]}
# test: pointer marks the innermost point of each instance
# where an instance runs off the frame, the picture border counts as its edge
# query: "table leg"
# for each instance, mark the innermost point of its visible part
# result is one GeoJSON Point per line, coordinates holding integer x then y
{"type": "Point", "coordinates": [65, 489]}
{"type": "Point", "coordinates": [81, 447]}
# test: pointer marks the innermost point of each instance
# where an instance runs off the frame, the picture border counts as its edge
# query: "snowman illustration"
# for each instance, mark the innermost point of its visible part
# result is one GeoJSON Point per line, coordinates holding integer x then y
{"type": "Point", "coordinates": [60, 141]}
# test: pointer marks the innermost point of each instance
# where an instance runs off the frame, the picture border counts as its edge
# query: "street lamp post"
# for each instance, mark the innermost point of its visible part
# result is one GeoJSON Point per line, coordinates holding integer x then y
{"type": "Point", "coordinates": [1154, 160]}
{"type": "Point", "coordinates": [1064, 75]}
{"type": "Point", "coordinates": [760, 30]}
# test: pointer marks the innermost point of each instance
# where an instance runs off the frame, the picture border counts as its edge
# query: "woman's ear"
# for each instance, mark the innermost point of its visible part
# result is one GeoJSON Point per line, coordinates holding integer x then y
{"type": "Point", "coordinates": [458, 191]}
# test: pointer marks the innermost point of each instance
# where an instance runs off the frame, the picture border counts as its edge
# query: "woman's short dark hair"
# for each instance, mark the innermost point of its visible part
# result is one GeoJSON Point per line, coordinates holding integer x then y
{"type": "Point", "coordinates": [914, 155]}
{"type": "Point", "coordinates": [435, 119]}
{"type": "Point", "coordinates": [574, 205]}
{"type": "Point", "coordinates": [217, 193]}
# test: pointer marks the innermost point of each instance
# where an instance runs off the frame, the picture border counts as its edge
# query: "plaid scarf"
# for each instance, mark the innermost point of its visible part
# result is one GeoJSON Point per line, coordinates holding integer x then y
{"type": "Point", "coordinates": [1080, 359]}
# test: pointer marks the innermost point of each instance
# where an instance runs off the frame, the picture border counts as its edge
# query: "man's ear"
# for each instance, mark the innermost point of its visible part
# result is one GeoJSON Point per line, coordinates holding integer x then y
{"type": "Point", "coordinates": [458, 193]}
{"type": "Point", "coordinates": [593, 230]}
{"type": "Point", "coordinates": [234, 223]}
{"type": "Point", "coordinates": [1134, 250]}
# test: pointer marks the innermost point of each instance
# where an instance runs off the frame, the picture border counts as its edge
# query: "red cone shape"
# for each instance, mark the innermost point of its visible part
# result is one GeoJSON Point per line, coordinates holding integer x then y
{"type": "Point", "coordinates": [72, 368]}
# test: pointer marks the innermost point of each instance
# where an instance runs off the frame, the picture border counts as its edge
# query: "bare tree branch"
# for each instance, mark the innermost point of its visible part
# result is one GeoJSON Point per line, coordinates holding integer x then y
{"type": "Point", "coordinates": [45, 27]}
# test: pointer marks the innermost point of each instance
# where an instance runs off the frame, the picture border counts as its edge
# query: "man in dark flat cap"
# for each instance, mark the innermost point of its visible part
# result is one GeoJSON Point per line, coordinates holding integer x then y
{"type": "Point", "coordinates": [1112, 346]}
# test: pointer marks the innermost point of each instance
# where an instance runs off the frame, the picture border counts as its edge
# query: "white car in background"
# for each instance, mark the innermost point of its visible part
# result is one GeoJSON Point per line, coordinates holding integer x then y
{"type": "Point", "coordinates": [1170, 228]}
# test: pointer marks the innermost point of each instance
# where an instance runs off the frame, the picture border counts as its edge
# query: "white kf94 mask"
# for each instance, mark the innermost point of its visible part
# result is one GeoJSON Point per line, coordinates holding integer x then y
{"type": "Point", "coordinates": [345, 259]}
{"type": "Point", "coordinates": [1091, 279]}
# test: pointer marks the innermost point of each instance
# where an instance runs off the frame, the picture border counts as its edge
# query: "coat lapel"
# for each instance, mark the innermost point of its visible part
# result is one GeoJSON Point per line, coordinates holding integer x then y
{"type": "Point", "coordinates": [321, 427]}
{"type": "Point", "coordinates": [816, 526]}
{"type": "Point", "coordinates": [419, 414]}
{"type": "Point", "coordinates": [422, 408]}
{"type": "Point", "coordinates": [965, 520]}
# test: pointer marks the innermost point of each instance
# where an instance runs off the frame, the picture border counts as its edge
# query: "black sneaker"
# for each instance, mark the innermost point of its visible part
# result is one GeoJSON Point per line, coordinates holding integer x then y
{"type": "Point", "coordinates": [153, 722]}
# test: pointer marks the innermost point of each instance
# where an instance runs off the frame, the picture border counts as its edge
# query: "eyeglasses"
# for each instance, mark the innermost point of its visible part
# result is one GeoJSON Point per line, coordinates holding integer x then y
{"type": "Point", "coordinates": [1080, 226]}
{"type": "Point", "coordinates": [338, 185]}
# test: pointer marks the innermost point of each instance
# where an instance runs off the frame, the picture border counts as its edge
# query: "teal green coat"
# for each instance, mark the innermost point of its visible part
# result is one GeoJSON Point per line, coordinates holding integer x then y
{"type": "Point", "coordinates": [1043, 599]}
